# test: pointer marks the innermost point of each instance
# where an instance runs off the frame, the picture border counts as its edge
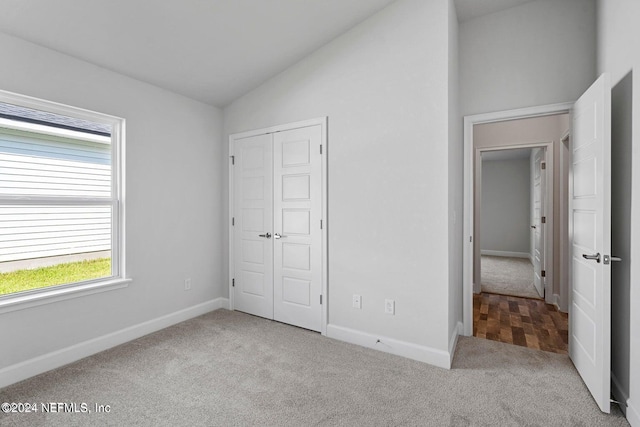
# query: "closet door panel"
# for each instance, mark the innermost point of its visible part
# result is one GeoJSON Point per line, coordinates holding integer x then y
{"type": "Point", "coordinates": [297, 243]}
{"type": "Point", "coordinates": [253, 210]}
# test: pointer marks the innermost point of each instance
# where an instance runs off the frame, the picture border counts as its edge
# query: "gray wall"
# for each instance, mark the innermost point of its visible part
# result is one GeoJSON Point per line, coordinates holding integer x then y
{"type": "Point", "coordinates": [384, 87]}
{"type": "Point", "coordinates": [618, 38]}
{"type": "Point", "coordinates": [456, 189]}
{"type": "Point", "coordinates": [541, 52]}
{"type": "Point", "coordinates": [173, 200]}
{"type": "Point", "coordinates": [505, 207]}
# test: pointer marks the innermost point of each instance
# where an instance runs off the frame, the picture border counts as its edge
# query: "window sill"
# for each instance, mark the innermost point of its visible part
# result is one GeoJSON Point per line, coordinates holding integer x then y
{"type": "Point", "coordinates": [21, 302]}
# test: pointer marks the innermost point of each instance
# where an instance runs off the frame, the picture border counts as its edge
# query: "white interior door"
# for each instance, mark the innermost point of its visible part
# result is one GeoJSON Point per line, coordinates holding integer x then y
{"type": "Point", "coordinates": [590, 236]}
{"type": "Point", "coordinates": [538, 225]}
{"type": "Point", "coordinates": [277, 209]}
{"type": "Point", "coordinates": [297, 178]}
{"type": "Point", "coordinates": [253, 218]}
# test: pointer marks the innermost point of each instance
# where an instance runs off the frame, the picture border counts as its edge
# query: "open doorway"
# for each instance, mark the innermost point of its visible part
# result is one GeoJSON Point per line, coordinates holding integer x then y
{"type": "Point", "coordinates": [511, 207]}
{"type": "Point", "coordinates": [518, 221]}
{"type": "Point", "coordinates": [587, 232]}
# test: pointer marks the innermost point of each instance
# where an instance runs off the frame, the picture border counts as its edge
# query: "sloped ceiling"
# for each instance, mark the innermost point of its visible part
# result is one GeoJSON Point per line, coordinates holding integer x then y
{"type": "Point", "coordinates": [210, 50]}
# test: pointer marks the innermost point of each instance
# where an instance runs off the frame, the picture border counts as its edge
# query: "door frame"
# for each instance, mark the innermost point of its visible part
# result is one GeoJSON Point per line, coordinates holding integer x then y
{"type": "Point", "coordinates": [322, 122]}
{"type": "Point", "coordinates": [468, 197]}
{"type": "Point", "coordinates": [547, 260]}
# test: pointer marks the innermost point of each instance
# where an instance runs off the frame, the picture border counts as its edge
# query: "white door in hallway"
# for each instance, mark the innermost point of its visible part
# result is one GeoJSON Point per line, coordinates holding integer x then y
{"type": "Point", "coordinates": [297, 234]}
{"type": "Point", "coordinates": [277, 239]}
{"type": "Point", "coordinates": [590, 240]}
{"type": "Point", "coordinates": [253, 218]}
{"type": "Point", "coordinates": [539, 188]}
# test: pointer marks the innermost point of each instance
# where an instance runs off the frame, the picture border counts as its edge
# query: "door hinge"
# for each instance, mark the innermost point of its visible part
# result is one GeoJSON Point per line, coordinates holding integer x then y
{"type": "Point", "coordinates": [470, 239]}
{"type": "Point", "coordinates": [320, 148]}
{"type": "Point", "coordinates": [233, 160]}
{"type": "Point", "coordinates": [544, 219]}
{"type": "Point", "coordinates": [320, 224]}
{"type": "Point", "coordinates": [543, 165]}
{"type": "Point", "coordinates": [233, 221]}
{"type": "Point", "coordinates": [543, 273]}
{"type": "Point", "coordinates": [233, 283]}
{"type": "Point", "coordinates": [320, 299]}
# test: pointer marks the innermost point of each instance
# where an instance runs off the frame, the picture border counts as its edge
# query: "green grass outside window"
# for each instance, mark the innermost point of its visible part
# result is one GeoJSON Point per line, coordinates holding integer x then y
{"type": "Point", "coordinates": [72, 272]}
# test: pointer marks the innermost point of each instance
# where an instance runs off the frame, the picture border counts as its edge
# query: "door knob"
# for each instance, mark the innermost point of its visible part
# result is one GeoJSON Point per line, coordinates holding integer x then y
{"type": "Point", "coordinates": [278, 236]}
{"type": "Point", "coordinates": [608, 259]}
{"type": "Point", "coordinates": [268, 235]}
{"type": "Point", "coordinates": [595, 257]}
{"type": "Point", "coordinates": [533, 226]}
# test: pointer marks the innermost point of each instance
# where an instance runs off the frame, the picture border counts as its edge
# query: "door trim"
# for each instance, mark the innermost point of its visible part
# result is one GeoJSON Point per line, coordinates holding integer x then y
{"type": "Point", "coordinates": [322, 122]}
{"type": "Point", "coordinates": [547, 210]}
{"type": "Point", "coordinates": [468, 209]}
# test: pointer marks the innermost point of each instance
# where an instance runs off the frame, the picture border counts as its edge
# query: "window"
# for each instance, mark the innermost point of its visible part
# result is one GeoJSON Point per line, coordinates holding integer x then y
{"type": "Point", "coordinates": [61, 188]}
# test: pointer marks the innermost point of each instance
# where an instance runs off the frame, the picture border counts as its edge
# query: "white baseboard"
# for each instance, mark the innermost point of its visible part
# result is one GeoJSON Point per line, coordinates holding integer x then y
{"type": "Point", "coordinates": [506, 253]}
{"type": "Point", "coordinates": [409, 350]}
{"type": "Point", "coordinates": [453, 341]}
{"type": "Point", "coordinates": [626, 405]}
{"type": "Point", "coordinates": [633, 414]}
{"type": "Point", "coordinates": [29, 368]}
{"type": "Point", "coordinates": [555, 300]}
{"type": "Point", "coordinates": [221, 303]}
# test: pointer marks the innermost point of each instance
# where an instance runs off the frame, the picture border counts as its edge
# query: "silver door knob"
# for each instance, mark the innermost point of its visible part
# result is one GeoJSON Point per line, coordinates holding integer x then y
{"type": "Point", "coordinates": [267, 236]}
{"type": "Point", "coordinates": [278, 236]}
{"type": "Point", "coordinates": [608, 259]}
{"type": "Point", "coordinates": [595, 257]}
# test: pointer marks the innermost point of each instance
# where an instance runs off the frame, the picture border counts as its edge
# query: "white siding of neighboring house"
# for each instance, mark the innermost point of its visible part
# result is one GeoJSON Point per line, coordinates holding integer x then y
{"type": "Point", "coordinates": [40, 165]}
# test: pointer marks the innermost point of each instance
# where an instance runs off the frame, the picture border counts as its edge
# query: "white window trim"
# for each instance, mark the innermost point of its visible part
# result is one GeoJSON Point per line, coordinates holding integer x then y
{"type": "Point", "coordinates": [47, 295]}
{"type": "Point", "coordinates": [64, 292]}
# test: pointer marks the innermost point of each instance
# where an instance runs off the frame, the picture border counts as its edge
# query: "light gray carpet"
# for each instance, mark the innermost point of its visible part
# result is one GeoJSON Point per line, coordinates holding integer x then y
{"type": "Point", "coordinates": [507, 276]}
{"type": "Point", "coordinates": [231, 369]}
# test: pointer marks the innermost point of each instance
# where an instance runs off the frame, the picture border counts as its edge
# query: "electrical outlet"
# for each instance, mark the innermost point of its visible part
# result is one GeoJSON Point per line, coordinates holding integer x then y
{"type": "Point", "coordinates": [187, 284]}
{"type": "Point", "coordinates": [389, 306]}
{"type": "Point", "coordinates": [357, 301]}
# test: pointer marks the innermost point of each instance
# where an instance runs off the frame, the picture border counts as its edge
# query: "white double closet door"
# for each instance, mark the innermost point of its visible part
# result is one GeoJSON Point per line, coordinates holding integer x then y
{"type": "Point", "coordinates": [277, 235]}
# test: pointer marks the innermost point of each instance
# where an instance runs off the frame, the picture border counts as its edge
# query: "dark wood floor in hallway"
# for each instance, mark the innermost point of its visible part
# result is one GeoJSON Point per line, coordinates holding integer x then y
{"type": "Point", "coordinates": [521, 321]}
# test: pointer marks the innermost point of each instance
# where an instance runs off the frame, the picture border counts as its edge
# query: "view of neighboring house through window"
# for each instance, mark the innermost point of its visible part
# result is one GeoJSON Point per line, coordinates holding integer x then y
{"type": "Point", "coordinates": [59, 197]}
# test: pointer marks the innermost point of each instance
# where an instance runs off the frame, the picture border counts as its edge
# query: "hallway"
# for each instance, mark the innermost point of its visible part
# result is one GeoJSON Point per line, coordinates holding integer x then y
{"type": "Point", "coordinates": [521, 321]}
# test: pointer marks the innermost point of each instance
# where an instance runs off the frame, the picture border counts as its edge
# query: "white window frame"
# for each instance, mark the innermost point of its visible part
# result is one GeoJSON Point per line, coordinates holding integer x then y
{"type": "Point", "coordinates": [117, 280]}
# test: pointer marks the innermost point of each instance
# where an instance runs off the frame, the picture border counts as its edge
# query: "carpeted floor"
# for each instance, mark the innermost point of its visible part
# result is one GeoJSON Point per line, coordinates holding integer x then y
{"type": "Point", "coordinates": [507, 276]}
{"type": "Point", "coordinates": [231, 369]}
